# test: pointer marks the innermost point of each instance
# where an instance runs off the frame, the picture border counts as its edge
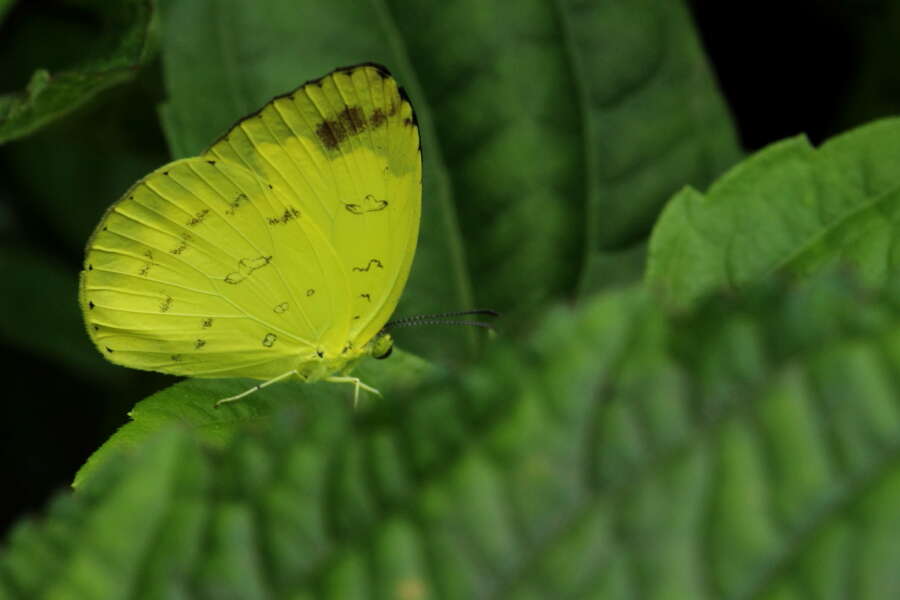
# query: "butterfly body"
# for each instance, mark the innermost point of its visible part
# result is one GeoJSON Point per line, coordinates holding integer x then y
{"type": "Point", "coordinates": [283, 248]}
{"type": "Point", "coordinates": [340, 361]}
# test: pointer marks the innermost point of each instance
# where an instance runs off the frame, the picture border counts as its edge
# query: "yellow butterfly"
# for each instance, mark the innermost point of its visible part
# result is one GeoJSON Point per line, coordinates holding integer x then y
{"type": "Point", "coordinates": [279, 252]}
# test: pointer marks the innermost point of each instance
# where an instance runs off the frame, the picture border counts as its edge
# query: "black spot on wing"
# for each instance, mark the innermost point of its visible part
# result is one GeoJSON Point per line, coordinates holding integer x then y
{"type": "Point", "coordinates": [197, 218]}
{"type": "Point", "coordinates": [282, 219]}
{"type": "Point", "coordinates": [373, 262]}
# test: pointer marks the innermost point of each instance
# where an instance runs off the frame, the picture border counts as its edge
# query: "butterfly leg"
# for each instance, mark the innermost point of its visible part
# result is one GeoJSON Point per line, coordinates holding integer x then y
{"type": "Point", "coordinates": [255, 388]}
{"type": "Point", "coordinates": [356, 385]}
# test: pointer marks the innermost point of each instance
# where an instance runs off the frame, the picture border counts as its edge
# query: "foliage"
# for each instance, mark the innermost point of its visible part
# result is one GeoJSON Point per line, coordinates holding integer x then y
{"type": "Point", "coordinates": [727, 453]}
{"type": "Point", "coordinates": [124, 44]}
{"type": "Point", "coordinates": [790, 207]}
{"type": "Point", "coordinates": [693, 389]}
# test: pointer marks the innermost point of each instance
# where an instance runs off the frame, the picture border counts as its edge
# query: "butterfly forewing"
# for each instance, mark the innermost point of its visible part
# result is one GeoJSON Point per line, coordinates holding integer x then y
{"type": "Point", "coordinates": [345, 149]}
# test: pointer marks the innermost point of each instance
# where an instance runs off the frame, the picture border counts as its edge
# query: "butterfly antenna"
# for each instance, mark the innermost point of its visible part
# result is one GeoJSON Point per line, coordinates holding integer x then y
{"type": "Point", "coordinates": [444, 319]}
{"type": "Point", "coordinates": [400, 324]}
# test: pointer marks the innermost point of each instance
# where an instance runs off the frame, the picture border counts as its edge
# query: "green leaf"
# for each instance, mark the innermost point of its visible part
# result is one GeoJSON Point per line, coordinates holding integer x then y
{"type": "Point", "coordinates": [35, 316]}
{"type": "Point", "coordinates": [619, 453]}
{"type": "Point", "coordinates": [5, 7]}
{"type": "Point", "coordinates": [160, 487]}
{"type": "Point", "coordinates": [550, 132]}
{"type": "Point", "coordinates": [65, 176]}
{"type": "Point", "coordinates": [788, 209]}
{"type": "Point", "coordinates": [191, 404]}
{"type": "Point", "coordinates": [652, 118]}
{"type": "Point", "coordinates": [615, 268]}
{"type": "Point", "coordinates": [124, 43]}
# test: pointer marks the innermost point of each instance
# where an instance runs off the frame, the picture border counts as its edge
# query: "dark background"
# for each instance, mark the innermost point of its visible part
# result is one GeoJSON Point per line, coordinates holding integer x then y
{"type": "Point", "coordinates": [817, 67]}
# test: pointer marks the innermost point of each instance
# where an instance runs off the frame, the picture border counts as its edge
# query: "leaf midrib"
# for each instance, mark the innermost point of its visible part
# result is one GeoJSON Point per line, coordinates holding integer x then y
{"type": "Point", "coordinates": [814, 240]}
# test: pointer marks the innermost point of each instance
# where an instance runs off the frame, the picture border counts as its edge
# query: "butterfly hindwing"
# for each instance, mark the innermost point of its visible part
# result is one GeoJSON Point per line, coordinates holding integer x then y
{"type": "Point", "coordinates": [194, 271]}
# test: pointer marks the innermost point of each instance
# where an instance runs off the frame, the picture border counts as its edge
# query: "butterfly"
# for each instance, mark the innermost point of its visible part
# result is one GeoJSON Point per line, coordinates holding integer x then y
{"type": "Point", "coordinates": [280, 252]}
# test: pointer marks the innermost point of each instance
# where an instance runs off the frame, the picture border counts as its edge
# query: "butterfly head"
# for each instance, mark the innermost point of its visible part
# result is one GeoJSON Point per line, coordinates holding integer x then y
{"type": "Point", "coordinates": [381, 346]}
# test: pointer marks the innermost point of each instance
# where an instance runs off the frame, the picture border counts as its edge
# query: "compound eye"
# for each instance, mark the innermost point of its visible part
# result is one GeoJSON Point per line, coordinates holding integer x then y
{"type": "Point", "coordinates": [385, 354]}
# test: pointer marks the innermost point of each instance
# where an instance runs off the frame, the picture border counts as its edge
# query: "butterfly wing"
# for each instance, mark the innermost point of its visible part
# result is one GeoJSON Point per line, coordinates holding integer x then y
{"type": "Point", "coordinates": [204, 269]}
{"type": "Point", "coordinates": [346, 148]}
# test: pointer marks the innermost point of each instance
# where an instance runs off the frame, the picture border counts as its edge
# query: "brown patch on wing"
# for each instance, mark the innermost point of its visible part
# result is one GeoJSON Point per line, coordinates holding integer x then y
{"type": "Point", "coordinates": [327, 135]}
{"type": "Point", "coordinates": [353, 120]}
{"type": "Point", "coordinates": [349, 122]}
{"type": "Point", "coordinates": [378, 118]}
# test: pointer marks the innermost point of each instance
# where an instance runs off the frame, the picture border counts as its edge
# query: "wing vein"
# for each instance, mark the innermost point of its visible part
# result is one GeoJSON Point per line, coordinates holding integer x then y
{"type": "Point", "coordinates": [293, 160]}
{"type": "Point", "coordinates": [271, 238]}
{"type": "Point", "coordinates": [248, 240]}
{"type": "Point", "coordinates": [260, 288]}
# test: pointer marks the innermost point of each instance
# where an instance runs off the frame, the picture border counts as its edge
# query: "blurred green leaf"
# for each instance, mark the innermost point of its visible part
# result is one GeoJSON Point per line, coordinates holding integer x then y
{"type": "Point", "coordinates": [790, 208]}
{"type": "Point", "coordinates": [623, 266]}
{"type": "Point", "coordinates": [191, 404]}
{"type": "Point", "coordinates": [124, 44]}
{"type": "Point", "coordinates": [550, 132]}
{"type": "Point", "coordinates": [65, 176]}
{"type": "Point", "coordinates": [5, 7]}
{"type": "Point", "coordinates": [874, 89]}
{"type": "Point", "coordinates": [621, 453]}
{"type": "Point", "coordinates": [39, 313]}
{"type": "Point", "coordinates": [653, 119]}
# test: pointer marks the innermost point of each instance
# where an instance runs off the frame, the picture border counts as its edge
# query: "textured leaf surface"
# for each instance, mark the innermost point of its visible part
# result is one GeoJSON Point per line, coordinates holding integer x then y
{"type": "Point", "coordinates": [191, 404]}
{"type": "Point", "coordinates": [549, 132]}
{"type": "Point", "coordinates": [746, 451]}
{"type": "Point", "coordinates": [652, 119]}
{"type": "Point", "coordinates": [790, 208]}
{"type": "Point", "coordinates": [126, 43]}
